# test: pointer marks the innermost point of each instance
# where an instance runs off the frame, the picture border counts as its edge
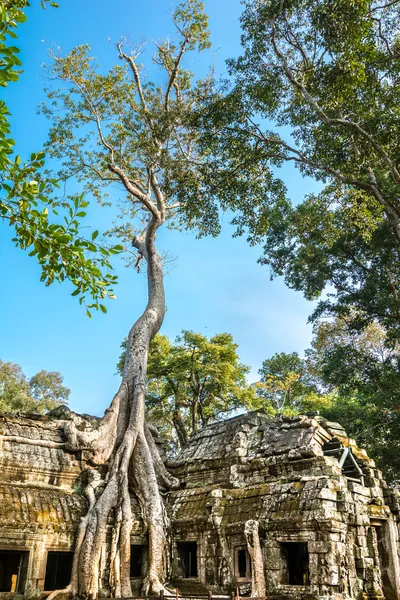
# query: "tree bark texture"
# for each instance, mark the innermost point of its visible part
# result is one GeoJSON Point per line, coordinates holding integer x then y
{"type": "Point", "coordinates": [251, 530]}
{"type": "Point", "coordinates": [124, 445]}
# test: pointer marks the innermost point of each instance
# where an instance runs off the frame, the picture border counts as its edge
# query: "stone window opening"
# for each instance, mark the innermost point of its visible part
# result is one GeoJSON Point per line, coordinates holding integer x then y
{"type": "Point", "coordinates": [242, 564]}
{"type": "Point", "coordinates": [13, 568]}
{"type": "Point", "coordinates": [138, 561]}
{"type": "Point", "coordinates": [295, 563]}
{"type": "Point", "coordinates": [187, 553]}
{"type": "Point", "coordinates": [58, 570]}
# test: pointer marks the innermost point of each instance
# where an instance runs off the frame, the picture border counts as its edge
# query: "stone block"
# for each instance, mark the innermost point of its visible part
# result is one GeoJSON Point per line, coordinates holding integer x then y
{"type": "Point", "coordinates": [320, 547]}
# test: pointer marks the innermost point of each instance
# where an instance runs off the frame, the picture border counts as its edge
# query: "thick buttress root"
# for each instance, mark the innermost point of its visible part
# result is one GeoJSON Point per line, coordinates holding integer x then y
{"type": "Point", "coordinates": [135, 467]}
{"type": "Point", "coordinates": [123, 445]}
{"type": "Point", "coordinates": [136, 463]}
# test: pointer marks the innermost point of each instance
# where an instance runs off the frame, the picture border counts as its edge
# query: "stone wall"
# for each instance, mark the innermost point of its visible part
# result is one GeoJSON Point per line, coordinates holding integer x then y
{"type": "Point", "coordinates": [277, 473]}
{"type": "Point", "coordinates": [317, 531]}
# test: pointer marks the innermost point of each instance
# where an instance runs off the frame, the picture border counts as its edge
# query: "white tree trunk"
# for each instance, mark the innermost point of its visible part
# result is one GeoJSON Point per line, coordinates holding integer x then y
{"type": "Point", "coordinates": [124, 442]}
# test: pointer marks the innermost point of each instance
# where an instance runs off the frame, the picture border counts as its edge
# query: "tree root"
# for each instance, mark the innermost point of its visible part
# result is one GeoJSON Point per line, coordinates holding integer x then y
{"type": "Point", "coordinates": [123, 444]}
{"type": "Point", "coordinates": [65, 592]}
{"type": "Point", "coordinates": [139, 454]}
{"type": "Point", "coordinates": [251, 531]}
{"type": "Point", "coordinates": [43, 443]}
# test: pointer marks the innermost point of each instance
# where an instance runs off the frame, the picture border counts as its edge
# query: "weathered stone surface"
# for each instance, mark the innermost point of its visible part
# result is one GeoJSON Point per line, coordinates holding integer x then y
{"type": "Point", "coordinates": [321, 534]}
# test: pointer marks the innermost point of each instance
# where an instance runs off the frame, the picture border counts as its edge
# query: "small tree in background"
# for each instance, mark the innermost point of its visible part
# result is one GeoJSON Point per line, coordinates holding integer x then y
{"type": "Point", "coordinates": [193, 382]}
{"type": "Point", "coordinates": [287, 386]}
{"type": "Point", "coordinates": [39, 394]}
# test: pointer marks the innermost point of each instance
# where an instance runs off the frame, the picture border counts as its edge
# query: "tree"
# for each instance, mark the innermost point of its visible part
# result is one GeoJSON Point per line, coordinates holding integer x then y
{"type": "Point", "coordinates": [288, 386]}
{"type": "Point", "coordinates": [124, 130]}
{"type": "Point", "coordinates": [362, 371]}
{"type": "Point", "coordinates": [39, 394]}
{"type": "Point", "coordinates": [282, 383]}
{"type": "Point", "coordinates": [28, 203]}
{"type": "Point", "coordinates": [193, 382]}
{"type": "Point", "coordinates": [326, 75]}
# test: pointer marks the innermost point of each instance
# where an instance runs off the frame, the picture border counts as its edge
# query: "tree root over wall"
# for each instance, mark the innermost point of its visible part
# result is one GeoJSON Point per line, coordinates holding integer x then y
{"type": "Point", "coordinates": [125, 460]}
{"type": "Point", "coordinates": [251, 531]}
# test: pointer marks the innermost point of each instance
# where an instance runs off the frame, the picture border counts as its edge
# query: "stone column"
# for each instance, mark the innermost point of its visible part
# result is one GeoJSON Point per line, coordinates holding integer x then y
{"type": "Point", "coordinates": [36, 570]}
{"type": "Point", "coordinates": [389, 558]}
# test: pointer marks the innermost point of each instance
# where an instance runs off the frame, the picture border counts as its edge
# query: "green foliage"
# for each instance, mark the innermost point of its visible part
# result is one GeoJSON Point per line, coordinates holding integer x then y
{"type": "Point", "coordinates": [39, 394]}
{"type": "Point", "coordinates": [362, 370]}
{"type": "Point", "coordinates": [326, 76]}
{"type": "Point", "coordinates": [287, 387]}
{"type": "Point", "coordinates": [348, 375]}
{"type": "Point", "coordinates": [48, 227]}
{"type": "Point", "coordinates": [123, 129]}
{"type": "Point", "coordinates": [282, 385]}
{"type": "Point", "coordinates": [193, 382]}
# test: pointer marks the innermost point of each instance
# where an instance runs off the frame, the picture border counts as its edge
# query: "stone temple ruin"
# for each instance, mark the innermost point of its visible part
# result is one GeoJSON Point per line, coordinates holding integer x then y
{"type": "Point", "coordinates": [288, 505]}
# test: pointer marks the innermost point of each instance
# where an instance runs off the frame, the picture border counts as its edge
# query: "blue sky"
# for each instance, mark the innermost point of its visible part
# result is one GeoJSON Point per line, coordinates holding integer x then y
{"type": "Point", "coordinates": [215, 285]}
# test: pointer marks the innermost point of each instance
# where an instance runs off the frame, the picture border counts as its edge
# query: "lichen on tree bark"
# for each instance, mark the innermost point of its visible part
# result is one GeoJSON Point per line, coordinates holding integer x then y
{"type": "Point", "coordinates": [251, 530]}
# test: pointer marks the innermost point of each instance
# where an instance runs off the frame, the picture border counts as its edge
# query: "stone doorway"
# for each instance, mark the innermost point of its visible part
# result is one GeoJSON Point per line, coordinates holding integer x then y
{"type": "Point", "coordinates": [58, 570]}
{"type": "Point", "coordinates": [295, 563]}
{"type": "Point", "coordinates": [187, 552]}
{"type": "Point", "coordinates": [13, 568]}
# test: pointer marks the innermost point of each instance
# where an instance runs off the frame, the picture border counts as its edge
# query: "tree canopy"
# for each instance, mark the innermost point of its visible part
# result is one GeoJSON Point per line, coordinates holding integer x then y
{"type": "Point", "coordinates": [38, 394]}
{"type": "Point", "coordinates": [317, 86]}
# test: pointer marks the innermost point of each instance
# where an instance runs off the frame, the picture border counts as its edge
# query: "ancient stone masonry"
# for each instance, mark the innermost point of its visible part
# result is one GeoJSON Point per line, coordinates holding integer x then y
{"type": "Point", "coordinates": [286, 506]}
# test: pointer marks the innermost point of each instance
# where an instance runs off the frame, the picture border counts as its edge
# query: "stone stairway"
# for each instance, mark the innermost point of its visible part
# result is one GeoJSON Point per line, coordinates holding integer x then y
{"type": "Point", "coordinates": [188, 587]}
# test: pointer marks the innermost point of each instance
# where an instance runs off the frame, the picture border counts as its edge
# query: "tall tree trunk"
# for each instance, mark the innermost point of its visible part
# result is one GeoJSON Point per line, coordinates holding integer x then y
{"type": "Point", "coordinates": [125, 445]}
{"type": "Point", "coordinates": [180, 428]}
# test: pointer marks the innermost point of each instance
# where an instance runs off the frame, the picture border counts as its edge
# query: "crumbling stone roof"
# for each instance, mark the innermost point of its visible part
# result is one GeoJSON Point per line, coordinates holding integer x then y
{"type": "Point", "coordinates": [256, 434]}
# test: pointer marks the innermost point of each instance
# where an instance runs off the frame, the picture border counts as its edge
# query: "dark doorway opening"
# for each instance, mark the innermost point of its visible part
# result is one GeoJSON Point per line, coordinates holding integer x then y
{"type": "Point", "coordinates": [187, 552]}
{"type": "Point", "coordinates": [242, 564]}
{"type": "Point", "coordinates": [58, 570]}
{"type": "Point", "coordinates": [136, 561]}
{"type": "Point", "coordinates": [295, 563]}
{"type": "Point", "coordinates": [13, 567]}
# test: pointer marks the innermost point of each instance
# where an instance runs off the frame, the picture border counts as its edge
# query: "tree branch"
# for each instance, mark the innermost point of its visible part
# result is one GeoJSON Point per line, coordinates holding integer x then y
{"type": "Point", "coordinates": [134, 191]}
{"type": "Point", "coordinates": [345, 123]}
{"type": "Point", "coordinates": [136, 75]}
{"type": "Point", "coordinates": [174, 73]}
